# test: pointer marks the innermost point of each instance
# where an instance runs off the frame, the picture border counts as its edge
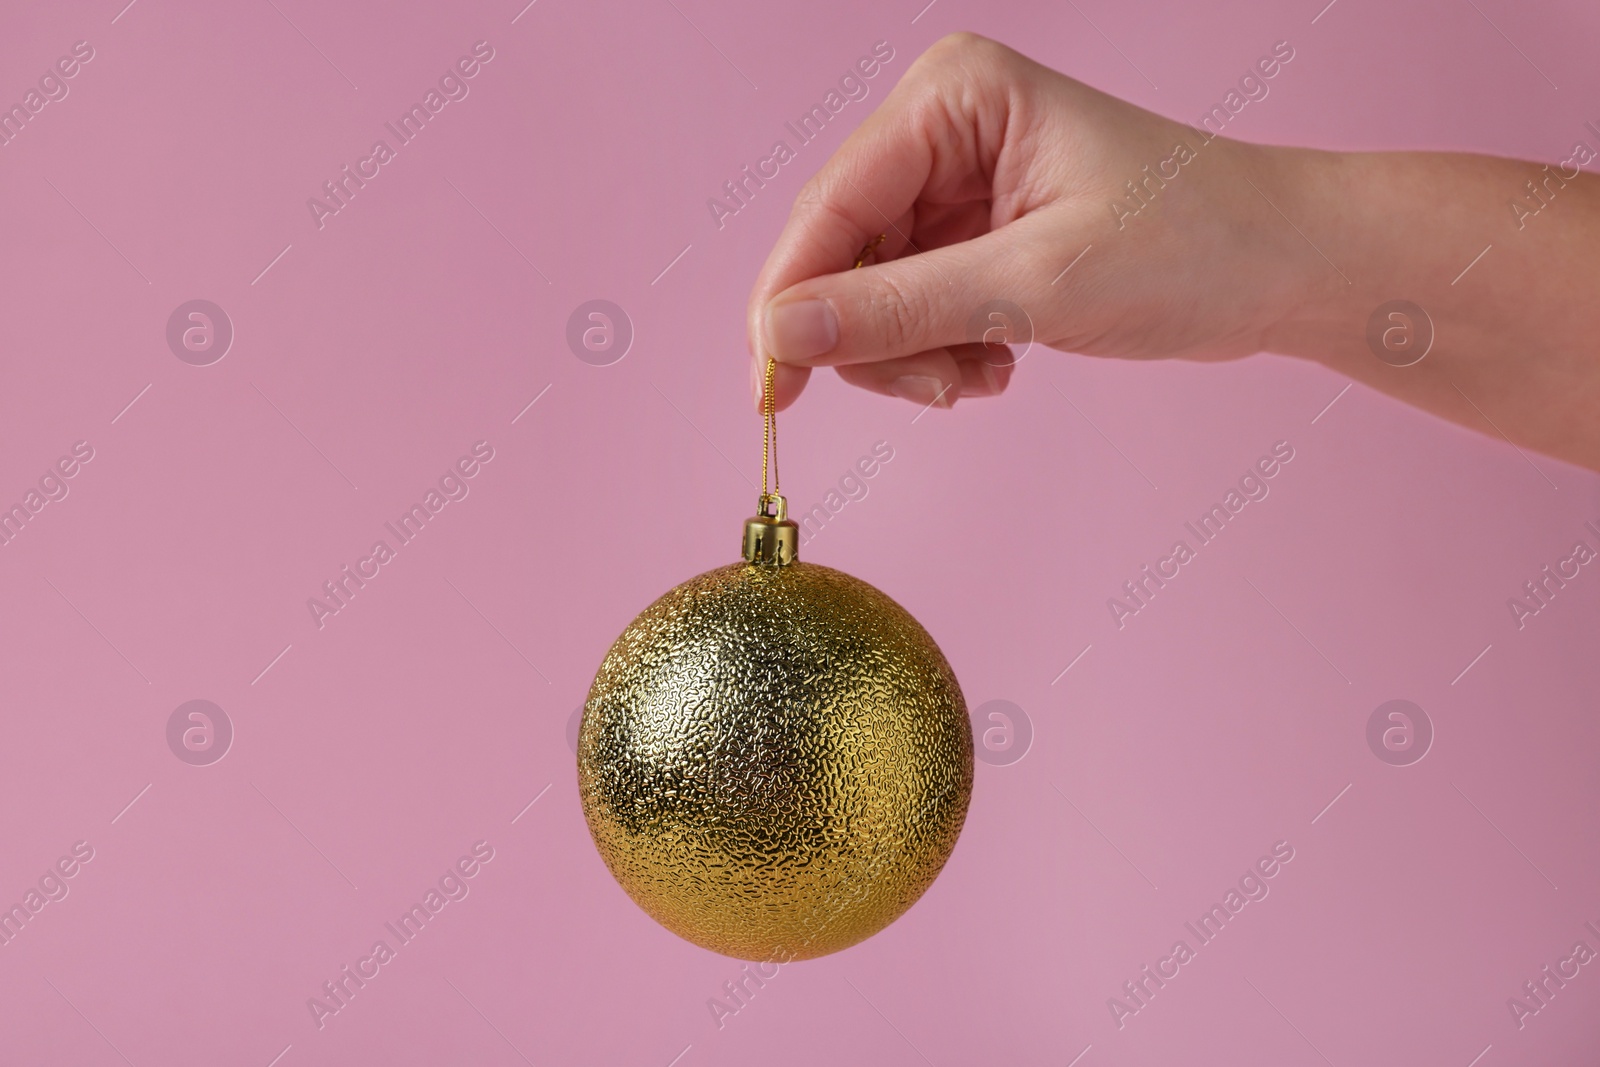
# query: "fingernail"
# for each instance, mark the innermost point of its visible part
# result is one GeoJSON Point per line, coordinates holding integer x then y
{"type": "Point", "coordinates": [978, 378]}
{"type": "Point", "coordinates": [802, 329]}
{"type": "Point", "coordinates": [922, 389]}
{"type": "Point", "coordinates": [755, 381]}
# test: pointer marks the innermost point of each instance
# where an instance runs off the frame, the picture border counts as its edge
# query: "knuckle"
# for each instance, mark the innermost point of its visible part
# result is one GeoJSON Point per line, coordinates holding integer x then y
{"type": "Point", "coordinates": [810, 197]}
{"type": "Point", "coordinates": [959, 50]}
{"type": "Point", "coordinates": [897, 313]}
{"type": "Point", "coordinates": [821, 202]}
{"type": "Point", "coordinates": [959, 43]}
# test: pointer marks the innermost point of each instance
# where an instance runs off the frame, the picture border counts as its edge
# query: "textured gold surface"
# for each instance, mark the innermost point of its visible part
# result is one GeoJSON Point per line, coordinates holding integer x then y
{"type": "Point", "coordinates": [775, 762]}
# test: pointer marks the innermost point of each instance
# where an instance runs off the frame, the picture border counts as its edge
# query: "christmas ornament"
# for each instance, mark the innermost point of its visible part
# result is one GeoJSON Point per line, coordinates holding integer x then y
{"type": "Point", "coordinates": [775, 758]}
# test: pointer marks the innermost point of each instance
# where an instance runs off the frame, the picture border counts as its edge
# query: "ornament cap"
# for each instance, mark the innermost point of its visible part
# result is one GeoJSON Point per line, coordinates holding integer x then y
{"type": "Point", "coordinates": [771, 537]}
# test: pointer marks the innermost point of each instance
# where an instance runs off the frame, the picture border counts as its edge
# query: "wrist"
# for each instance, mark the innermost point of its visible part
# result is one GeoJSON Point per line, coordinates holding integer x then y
{"type": "Point", "coordinates": [1314, 201]}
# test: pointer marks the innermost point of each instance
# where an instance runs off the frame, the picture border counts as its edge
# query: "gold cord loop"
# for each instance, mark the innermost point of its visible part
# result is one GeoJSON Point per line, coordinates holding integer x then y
{"type": "Point", "coordinates": [769, 411]}
{"type": "Point", "coordinates": [769, 437]}
{"type": "Point", "coordinates": [868, 248]}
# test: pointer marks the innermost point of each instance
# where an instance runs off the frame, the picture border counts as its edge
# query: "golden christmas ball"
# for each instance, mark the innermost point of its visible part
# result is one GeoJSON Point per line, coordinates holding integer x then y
{"type": "Point", "coordinates": [775, 759]}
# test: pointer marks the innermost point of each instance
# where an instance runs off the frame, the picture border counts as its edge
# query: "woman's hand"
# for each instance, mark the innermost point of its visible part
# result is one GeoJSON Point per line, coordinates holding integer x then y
{"type": "Point", "coordinates": [990, 175]}
{"type": "Point", "coordinates": [1121, 233]}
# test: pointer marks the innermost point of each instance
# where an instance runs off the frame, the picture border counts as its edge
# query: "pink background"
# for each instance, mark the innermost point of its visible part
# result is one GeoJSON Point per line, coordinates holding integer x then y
{"type": "Point", "coordinates": [373, 752]}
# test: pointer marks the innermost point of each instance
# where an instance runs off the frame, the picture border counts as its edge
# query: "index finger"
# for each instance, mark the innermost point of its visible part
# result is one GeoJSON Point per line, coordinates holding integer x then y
{"type": "Point", "coordinates": [914, 143]}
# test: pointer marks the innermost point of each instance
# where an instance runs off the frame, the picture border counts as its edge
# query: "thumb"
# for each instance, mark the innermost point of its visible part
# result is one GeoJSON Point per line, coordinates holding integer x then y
{"type": "Point", "coordinates": [991, 289]}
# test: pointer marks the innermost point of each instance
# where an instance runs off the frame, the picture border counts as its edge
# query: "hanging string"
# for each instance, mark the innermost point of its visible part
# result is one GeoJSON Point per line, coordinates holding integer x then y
{"type": "Point", "coordinates": [866, 249]}
{"type": "Point", "coordinates": [769, 435]}
{"type": "Point", "coordinates": [769, 409]}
